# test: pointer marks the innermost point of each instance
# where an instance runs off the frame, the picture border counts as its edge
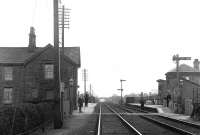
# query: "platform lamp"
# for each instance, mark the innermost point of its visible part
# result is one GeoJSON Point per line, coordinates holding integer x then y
{"type": "Point", "coordinates": [71, 83]}
{"type": "Point", "coordinates": [76, 94]}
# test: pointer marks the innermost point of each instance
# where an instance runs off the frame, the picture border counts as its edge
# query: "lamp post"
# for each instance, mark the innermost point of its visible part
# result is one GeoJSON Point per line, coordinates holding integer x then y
{"type": "Point", "coordinates": [76, 94]}
{"type": "Point", "coordinates": [71, 83]}
{"type": "Point", "coordinates": [121, 80]}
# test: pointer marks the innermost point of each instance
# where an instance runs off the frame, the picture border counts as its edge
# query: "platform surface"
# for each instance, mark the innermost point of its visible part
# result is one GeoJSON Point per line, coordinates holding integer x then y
{"type": "Point", "coordinates": [74, 122]}
{"type": "Point", "coordinates": [165, 111]}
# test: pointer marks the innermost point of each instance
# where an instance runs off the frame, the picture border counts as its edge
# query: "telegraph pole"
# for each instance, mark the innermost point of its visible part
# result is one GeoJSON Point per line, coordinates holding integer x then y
{"type": "Point", "coordinates": [63, 22]}
{"type": "Point", "coordinates": [57, 106]}
{"type": "Point", "coordinates": [85, 79]}
{"type": "Point", "coordinates": [90, 89]}
{"type": "Point", "coordinates": [56, 30]}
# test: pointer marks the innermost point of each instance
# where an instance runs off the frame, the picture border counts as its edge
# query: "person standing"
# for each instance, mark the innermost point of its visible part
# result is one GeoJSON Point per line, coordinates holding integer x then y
{"type": "Point", "coordinates": [86, 99]}
{"type": "Point", "coordinates": [80, 103]}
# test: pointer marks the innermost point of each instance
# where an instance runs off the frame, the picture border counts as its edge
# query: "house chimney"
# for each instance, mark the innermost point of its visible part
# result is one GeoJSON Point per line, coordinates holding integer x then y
{"type": "Point", "coordinates": [196, 65]}
{"type": "Point", "coordinates": [32, 40]}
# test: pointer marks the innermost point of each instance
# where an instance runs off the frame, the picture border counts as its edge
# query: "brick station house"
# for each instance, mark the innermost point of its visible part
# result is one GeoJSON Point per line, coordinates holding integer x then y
{"type": "Point", "coordinates": [162, 92]}
{"type": "Point", "coordinates": [185, 98]}
{"type": "Point", "coordinates": [28, 73]}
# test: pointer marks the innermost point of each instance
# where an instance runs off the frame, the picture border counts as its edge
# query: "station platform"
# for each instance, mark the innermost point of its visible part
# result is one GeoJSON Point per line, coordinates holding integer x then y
{"type": "Point", "coordinates": [165, 111]}
{"type": "Point", "coordinates": [74, 122]}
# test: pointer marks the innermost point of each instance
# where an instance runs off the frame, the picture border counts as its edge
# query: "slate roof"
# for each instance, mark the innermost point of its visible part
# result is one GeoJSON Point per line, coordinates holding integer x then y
{"type": "Point", "coordinates": [16, 55]}
{"type": "Point", "coordinates": [184, 68]}
{"type": "Point", "coordinates": [19, 55]}
{"type": "Point", "coordinates": [73, 53]}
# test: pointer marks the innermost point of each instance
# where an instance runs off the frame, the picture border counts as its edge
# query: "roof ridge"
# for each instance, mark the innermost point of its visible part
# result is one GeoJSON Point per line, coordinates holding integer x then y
{"type": "Point", "coordinates": [37, 53]}
{"type": "Point", "coordinates": [183, 68]}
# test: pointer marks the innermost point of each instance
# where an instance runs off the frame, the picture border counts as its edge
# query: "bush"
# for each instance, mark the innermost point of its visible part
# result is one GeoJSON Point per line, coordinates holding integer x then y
{"type": "Point", "coordinates": [45, 111]}
{"type": "Point", "coordinates": [27, 117]}
{"type": "Point", "coordinates": [5, 121]}
{"type": "Point", "coordinates": [32, 118]}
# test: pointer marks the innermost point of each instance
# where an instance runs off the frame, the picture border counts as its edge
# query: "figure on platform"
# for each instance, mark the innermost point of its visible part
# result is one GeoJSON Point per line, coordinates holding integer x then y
{"type": "Point", "coordinates": [80, 103]}
{"type": "Point", "coordinates": [168, 98]}
{"type": "Point", "coordinates": [86, 99]}
{"type": "Point", "coordinates": [142, 100]}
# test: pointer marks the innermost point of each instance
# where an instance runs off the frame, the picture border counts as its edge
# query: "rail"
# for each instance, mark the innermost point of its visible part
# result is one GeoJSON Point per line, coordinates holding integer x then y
{"type": "Point", "coordinates": [181, 121]}
{"type": "Point", "coordinates": [169, 126]}
{"type": "Point", "coordinates": [99, 122]}
{"type": "Point", "coordinates": [126, 122]}
{"type": "Point", "coordinates": [182, 131]}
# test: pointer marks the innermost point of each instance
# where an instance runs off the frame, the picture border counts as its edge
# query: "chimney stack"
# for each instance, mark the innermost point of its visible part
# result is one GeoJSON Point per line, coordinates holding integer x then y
{"type": "Point", "coordinates": [32, 39]}
{"type": "Point", "coordinates": [196, 65]}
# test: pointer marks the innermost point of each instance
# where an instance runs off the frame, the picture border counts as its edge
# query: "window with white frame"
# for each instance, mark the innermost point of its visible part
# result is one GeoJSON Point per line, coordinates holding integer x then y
{"type": "Point", "coordinates": [49, 71]}
{"type": "Point", "coordinates": [7, 95]}
{"type": "Point", "coordinates": [8, 73]}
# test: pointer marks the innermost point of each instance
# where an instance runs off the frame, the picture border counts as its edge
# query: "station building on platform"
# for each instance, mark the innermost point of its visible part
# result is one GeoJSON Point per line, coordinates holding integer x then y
{"type": "Point", "coordinates": [28, 74]}
{"type": "Point", "coordinates": [185, 98]}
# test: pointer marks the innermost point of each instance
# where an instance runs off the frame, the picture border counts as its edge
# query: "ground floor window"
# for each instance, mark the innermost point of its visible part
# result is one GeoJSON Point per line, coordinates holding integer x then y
{"type": "Point", "coordinates": [8, 95]}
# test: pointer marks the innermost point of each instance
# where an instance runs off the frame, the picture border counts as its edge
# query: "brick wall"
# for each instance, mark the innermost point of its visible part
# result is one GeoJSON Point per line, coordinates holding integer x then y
{"type": "Point", "coordinates": [36, 86]}
{"type": "Point", "coordinates": [34, 76]}
{"type": "Point", "coordinates": [29, 83]}
{"type": "Point", "coordinates": [17, 84]}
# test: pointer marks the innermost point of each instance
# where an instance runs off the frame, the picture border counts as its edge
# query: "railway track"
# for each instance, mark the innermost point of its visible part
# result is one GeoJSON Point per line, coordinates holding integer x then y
{"type": "Point", "coordinates": [173, 124]}
{"type": "Point", "coordinates": [148, 124]}
{"type": "Point", "coordinates": [179, 126]}
{"type": "Point", "coordinates": [111, 123]}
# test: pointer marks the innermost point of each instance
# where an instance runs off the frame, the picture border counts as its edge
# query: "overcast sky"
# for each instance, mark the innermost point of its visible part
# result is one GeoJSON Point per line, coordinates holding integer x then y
{"type": "Point", "coordinates": [119, 39]}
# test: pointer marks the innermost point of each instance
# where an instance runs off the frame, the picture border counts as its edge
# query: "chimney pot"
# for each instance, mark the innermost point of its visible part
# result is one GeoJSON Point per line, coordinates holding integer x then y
{"type": "Point", "coordinates": [32, 39]}
{"type": "Point", "coordinates": [196, 65]}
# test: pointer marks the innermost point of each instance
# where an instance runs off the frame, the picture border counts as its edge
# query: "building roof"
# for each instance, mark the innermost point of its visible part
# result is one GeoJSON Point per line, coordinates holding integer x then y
{"type": "Point", "coordinates": [184, 68]}
{"type": "Point", "coordinates": [20, 55]}
{"type": "Point", "coordinates": [16, 55]}
{"type": "Point", "coordinates": [73, 53]}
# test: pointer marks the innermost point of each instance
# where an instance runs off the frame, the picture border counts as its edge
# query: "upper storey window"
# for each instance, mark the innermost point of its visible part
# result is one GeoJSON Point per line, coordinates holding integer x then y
{"type": "Point", "coordinates": [49, 71]}
{"type": "Point", "coordinates": [8, 73]}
